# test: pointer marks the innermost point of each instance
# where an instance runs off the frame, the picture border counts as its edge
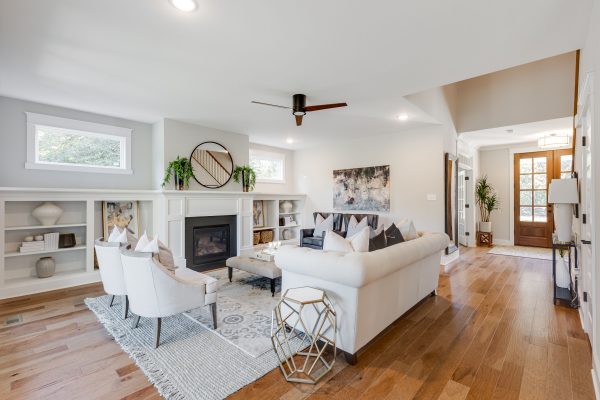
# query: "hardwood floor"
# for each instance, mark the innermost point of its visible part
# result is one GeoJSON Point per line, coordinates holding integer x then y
{"type": "Point", "coordinates": [491, 333]}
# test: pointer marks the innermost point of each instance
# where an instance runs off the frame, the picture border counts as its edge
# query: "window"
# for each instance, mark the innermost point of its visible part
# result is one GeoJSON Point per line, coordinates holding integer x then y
{"type": "Point", "coordinates": [70, 145]}
{"type": "Point", "coordinates": [565, 166]}
{"type": "Point", "coordinates": [269, 166]}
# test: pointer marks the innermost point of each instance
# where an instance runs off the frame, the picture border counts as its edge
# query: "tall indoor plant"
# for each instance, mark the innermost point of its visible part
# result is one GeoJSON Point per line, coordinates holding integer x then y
{"type": "Point", "coordinates": [246, 175]}
{"type": "Point", "coordinates": [182, 172]}
{"type": "Point", "coordinates": [487, 200]}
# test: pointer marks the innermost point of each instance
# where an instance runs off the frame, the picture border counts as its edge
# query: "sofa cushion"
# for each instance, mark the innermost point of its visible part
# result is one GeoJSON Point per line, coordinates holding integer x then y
{"type": "Point", "coordinates": [354, 226]}
{"type": "Point", "coordinates": [409, 232]}
{"type": "Point", "coordinates": [116, 236]}
{"type": "Point", "coordinates": [378, 242]}
{"type": "Point", "coordinates": [322, 225]}
{"type": "Point", "coordinates": [393, 235]}
{"type": "Point", "coordinates": [357, 243]}
{"type": "Point", "coordinates": [375, 232]}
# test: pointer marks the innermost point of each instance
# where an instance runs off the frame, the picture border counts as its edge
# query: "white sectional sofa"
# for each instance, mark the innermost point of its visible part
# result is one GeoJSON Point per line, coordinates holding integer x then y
{"type": "Point", "coordinates": [368, 290]}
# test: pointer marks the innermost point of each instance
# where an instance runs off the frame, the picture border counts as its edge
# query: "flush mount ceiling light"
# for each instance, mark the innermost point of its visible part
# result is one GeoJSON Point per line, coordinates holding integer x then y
{"type": "Point", "coordinates": [403, 117]}
{"type": "Point", "coordinates": [289, 140]}
{"type": "Point", "coordinates": [184, 5]}
{"type": "Point", "coordinates": [554, 140]}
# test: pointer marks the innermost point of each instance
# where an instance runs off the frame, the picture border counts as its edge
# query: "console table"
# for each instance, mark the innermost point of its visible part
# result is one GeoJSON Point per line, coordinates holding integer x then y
{"type": "Point", "coordinates": [568, 295]}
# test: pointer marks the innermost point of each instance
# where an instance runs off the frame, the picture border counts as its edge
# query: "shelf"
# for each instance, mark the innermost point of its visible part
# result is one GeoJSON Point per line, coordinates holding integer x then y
{"type": "Point", "coordinates": [289, 226]}
{"type": "Point", "coordinates": [18, 254]}
{"type": "Point", "coordinates": [59, 276]}
{"type": "Point", "coordinates": [290, 213]}
{"type": "Point", "coordinates": [263, 228]}
{"type": "Point", "coordinates": [35, 227]}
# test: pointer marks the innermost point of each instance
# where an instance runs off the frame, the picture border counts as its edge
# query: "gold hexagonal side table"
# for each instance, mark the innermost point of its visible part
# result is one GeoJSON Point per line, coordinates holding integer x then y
{"type": "Point", "coordinates": [303, 333]}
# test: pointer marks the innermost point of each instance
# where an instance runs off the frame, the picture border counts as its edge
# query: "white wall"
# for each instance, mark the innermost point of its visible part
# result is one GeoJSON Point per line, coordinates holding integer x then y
{"type": "Point", "coordinates": [537, 91]}
{"type": "Point", "coordinates": [13, 151]}
{"type": "Point", "coordinates": [180, 138]}
{"type": "Point", "coordinates": [416, 160]}
{"type": "Point", "coordinates": [495, 163]}
{"type": "Point", "coordinates": [288, 186]}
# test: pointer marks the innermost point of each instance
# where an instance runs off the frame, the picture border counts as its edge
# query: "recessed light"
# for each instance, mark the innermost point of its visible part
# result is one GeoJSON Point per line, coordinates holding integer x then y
{"type": "Point", "coordinates": [509, 130]}
{"type": "Point", "coordinates": [403, 117]}
{"type": "Point", "coordinates": [184, 5]}
{"type": "Point", "coordinates": [289, 140]}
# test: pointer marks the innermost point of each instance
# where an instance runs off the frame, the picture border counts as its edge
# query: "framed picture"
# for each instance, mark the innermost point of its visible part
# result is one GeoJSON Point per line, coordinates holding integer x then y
{"type": "Point", "coordinates": [362, 189]}
{"type": "Point", "coordinates": [258, 214]}
{"type": "Point", "coordinates": [124, 214]}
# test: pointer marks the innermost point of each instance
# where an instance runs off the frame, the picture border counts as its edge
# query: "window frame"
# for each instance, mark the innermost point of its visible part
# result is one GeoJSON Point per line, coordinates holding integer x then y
{"type": "Point", "coordinates": [269, 155]}
{"type": "Point", "coordinates": [35, 120]}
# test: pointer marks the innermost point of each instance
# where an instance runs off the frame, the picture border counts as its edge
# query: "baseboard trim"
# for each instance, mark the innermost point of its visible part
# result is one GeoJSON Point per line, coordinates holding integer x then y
{"type": "Point", "coordinates": [595, 383]}
{"type": "Point", "coordinates": [503, 242]}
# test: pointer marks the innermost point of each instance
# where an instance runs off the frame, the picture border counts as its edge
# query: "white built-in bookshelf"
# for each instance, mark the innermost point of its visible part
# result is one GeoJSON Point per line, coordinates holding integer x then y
{"type": "Point", "coordinates": [274, 218]}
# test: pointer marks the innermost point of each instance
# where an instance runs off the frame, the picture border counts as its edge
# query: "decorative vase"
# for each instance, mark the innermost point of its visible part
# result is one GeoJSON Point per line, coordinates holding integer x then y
{"type": "Point", "coordinates": [287, 206]}
{"type": "Point", "coordinates": [47, 213]}
{"type": "Point", "coordinates": [563, 279]}
{"type": "Point", "coordinates": [45, 267]}
{"type": "Point", "coordinates": [179, 182]}
{"type": "Point", "coordinates": [245, 182]}
{"type": "Point", "coordinates": [287, 234]}
{"type": "Point", "coordinates": [485, 226]}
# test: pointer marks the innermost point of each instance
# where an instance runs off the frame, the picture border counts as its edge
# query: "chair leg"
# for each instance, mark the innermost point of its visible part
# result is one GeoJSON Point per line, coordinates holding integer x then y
{"type": "Point", "coordinates": [135, 322]}
{"type": "Point", "coordinates": [230, 273]}
{"type": "Point", "coordinates": [126, 307]}
{"type": "Point", "coordinates": [213, 311]}
{"type": "Point", "coordinates": [157, 323]}
{"type": "Point", "coordinates": [112, 299]}
{"type": "Point", "coordinates": [272, 287]}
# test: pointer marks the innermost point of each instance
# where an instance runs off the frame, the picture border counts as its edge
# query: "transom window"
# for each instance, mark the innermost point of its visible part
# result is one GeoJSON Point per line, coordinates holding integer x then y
{"type": "Point", "coordinates": [269, 166]}
{"type": "Point", "coordinates": [71, 145]}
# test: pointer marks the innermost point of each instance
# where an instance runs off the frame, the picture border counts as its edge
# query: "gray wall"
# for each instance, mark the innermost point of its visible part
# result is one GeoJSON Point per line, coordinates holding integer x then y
{"type": "Point", "coordinates": [496, 165]}
{"type": "Point", "coordinates": [13, 151]}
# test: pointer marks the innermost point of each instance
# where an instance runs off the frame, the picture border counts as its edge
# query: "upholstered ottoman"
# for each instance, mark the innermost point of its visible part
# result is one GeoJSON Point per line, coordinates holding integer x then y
{"type": "Point", "coordinates": [266, 269]}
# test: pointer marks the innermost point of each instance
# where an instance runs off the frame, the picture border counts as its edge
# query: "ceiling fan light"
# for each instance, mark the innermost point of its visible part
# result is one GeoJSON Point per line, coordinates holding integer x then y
{"type": "Point", "coordinates": [554, 140]}
{"type": "Point", "coordinates": [184, 5]}
{"type": "Point", "coordinates": [403, 117]}
{"type": "Point", "coordinates": [299, 113]}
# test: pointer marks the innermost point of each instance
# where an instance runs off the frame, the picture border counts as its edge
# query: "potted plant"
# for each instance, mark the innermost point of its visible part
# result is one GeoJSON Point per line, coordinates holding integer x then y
{"type": "Point", "coordinates": [487, 200]}
{"type": "Point", "coordinates": [182, 172]}
{"type": "Point", "coordinates": [246, 175]}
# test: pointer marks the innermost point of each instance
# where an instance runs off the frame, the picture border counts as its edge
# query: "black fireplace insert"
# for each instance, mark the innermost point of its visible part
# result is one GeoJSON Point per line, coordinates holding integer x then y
{"type": "Point", "coordinates": [209, 241]}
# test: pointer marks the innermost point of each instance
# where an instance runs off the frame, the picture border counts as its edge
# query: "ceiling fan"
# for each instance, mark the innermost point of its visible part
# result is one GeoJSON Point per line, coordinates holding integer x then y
{"type": "Point", "coordinates": [299, 107]}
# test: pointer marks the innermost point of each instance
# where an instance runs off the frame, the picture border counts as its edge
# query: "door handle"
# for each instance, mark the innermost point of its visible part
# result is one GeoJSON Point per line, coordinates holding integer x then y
{"type": "Point", "coordinates": [586, 241]}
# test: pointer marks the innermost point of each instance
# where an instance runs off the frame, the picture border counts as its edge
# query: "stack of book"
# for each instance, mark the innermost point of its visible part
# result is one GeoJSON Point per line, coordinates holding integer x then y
{"type": "Point", "coordinates": [51, 241]}
{"type": "Point", "coordinates": [30, 247]}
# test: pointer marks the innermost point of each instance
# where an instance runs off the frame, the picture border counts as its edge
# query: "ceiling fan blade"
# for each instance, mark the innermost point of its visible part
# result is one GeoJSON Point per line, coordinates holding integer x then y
{"type": "Point", "coordinates": [298, 119]}
{"type": "Point", "coordinates": [270, 105]}
{"type": "Point", "coordinates": [324, 107]}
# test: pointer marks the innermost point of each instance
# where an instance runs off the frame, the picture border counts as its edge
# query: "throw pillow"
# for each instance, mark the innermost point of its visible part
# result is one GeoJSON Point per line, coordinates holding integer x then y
{"type": "Point", "coordinates": [146, 245]}
{"type": "Point", "coordinates": [165, 256]}
{"type": "Point", "coordinates": [378, 242]}
{"type": "Point", "coordinates": [393, 235]}
{"type": "Point", "coordinates": [322, 225]}
{"type": "Point", "coordinates": [142, 242]}
{"type": "Point", "coordinates": [375, 232]}
{"type": "Point", "coordinates": [357, 243]}
{"type": "Point", "coordinates": [408, 230]}
{"type": "Point", "coordinates": [116, 236]}
{"type": "Point", "coordinates": [354, 226]}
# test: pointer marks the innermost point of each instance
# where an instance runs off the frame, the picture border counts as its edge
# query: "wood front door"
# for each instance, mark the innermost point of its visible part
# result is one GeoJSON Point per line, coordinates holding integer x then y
{"type": "Point", "coordinates": [533, 214]}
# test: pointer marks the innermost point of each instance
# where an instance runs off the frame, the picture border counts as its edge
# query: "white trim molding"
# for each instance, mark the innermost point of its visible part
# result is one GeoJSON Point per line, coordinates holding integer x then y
{"type": "Point", "coordinates": [85, 128]}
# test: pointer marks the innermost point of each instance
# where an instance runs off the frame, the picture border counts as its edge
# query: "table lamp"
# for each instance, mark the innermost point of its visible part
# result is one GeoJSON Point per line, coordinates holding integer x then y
{"type": "Point", "coordinates": [563, 194]}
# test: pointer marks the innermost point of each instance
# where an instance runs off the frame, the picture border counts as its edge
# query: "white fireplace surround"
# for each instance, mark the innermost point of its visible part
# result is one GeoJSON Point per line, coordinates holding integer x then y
{"type": "Point", "coordinates": [161, 212]}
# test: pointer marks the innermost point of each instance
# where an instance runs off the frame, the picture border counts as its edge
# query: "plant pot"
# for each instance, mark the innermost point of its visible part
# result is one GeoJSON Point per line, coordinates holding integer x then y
{"type": "Point", "coordinates": [47, 213]}
{"type": "Point", "coordinates": [245, 182]}
{"type": "Point", "coordinates": [45, 267]}
{"type": "Point", "coordinates": [485, 226]}
{"type": "Point", "coordinates": [179, 182]}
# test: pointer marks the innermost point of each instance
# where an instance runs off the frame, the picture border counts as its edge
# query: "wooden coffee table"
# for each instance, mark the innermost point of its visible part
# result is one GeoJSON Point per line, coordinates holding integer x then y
{"type": "Point", "coordinates": [266, 269]}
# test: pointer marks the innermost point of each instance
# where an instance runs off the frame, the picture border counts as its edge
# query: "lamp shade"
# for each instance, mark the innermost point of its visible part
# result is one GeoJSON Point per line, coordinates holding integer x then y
{"type": "Point", "coordinates": [563, 191]}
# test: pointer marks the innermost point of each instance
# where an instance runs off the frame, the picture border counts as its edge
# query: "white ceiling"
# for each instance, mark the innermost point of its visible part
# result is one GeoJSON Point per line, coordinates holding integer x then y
{"type": "Point", "coordinates": [517, 134]}
{"type": "Point", "coordinates": [144, 60]}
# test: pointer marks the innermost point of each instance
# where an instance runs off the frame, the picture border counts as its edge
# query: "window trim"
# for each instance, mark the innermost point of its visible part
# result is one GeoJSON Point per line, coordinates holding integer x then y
{"type": "Point", "coordinates": [269, 155]}
{"type": "Point", "coordinates": [34, 120]}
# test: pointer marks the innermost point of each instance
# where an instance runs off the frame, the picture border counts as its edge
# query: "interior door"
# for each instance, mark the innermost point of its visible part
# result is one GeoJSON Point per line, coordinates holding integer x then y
{"type": "Point", "coordinates": [461, 200]}
{"type": "Point", "coordinates": [533, 215]}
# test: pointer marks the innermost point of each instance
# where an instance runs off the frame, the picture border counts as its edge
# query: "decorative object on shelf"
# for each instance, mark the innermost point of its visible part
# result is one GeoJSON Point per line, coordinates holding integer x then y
{"type": "Point", "coordinates": [28, 239]}
{"type": "Point", "coordinates": [51, 240]}
{"type": "Point", "coordinates": [258, 214]}
{"type": "Point", "coordinates": [255, 238]}
{"type": "Point", "coordinates": [287, 234]}
{"type": "Point", "coordinates": [289, 221]}
{"type": "Point", "coordinates": [487, 200]}
{"type": "Point", "coordinates": [563, 194]}
{"type": "Point", "coordinates": [182, 172]}
{"type": "Point", "coordinates": [66, 240]}
{"type": "Point", "coordinates": [366, 189]}
{"type": "Point", "coordinates": [485, 239]}
{"type": "Point", "coordinates": [304, 334]}
{"type": "Point", "coordinates": [286, 206]}
{"type": "Point", "coordinates": [47, 213]}
{"type": "Point", "coordinates": [39, 238]}
{"type": "Point", "coordinates": [266, 236]}
{"type": "Point", "coordinates": [123, 214]}
{"type": "Point", "coordinates": [211, 165]}
{"type": "Point", "coordinates": [246, 175]}
{"type": "Point", "coordinates": [45, 267]}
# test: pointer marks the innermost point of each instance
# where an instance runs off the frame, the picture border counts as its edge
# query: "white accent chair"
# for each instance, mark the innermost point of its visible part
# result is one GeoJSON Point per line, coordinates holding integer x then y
{"type": "Point", "coordinates": [155, 292]}
{"type": "Point", "coordinates": [111, 271]}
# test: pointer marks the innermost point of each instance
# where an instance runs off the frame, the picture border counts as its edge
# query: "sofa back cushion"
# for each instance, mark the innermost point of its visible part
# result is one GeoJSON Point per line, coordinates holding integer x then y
{"type": "Point", "coordinates": [378, 242]}
{"type": "Point", "coordinates": [393, 235]}
{"type": "Point", "coordinates": [357, 243]}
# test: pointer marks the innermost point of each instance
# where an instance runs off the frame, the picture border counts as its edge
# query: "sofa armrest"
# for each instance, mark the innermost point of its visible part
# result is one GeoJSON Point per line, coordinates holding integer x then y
{"type": "Point", "coordinates": [359, 269]}
{"type": "Point", "coordinates": [306, 233]}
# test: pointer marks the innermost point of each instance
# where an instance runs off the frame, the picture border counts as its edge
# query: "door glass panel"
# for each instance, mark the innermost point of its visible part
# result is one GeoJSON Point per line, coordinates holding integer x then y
{"type": "Point", "coordinates": [565, 162]}
{"type": "Point", "coordinates": [525, 182]}
{"type": "Point", "coordinates": [525, 165]}
{"type": "Point", "coordinates": [565, 175]}
{"type": "Point", "coordinates": [525, 214]}
{"type": "Point", "coordinates": [539, 214]}
{"type": "Point", "coordinates": [539, 181]}
{"type": "Point", "coordinates": [525, 198]}
{"type": "Point", "coordinates": [539, 197]}
{"type": "Point", "coordinates": [539, 164]}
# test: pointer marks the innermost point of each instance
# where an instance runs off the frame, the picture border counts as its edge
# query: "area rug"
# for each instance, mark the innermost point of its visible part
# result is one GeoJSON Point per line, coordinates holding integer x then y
{"type": "Point", "coordinates": [193, 361]}
{"type": "Point", "coordinates": [522, 251]}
